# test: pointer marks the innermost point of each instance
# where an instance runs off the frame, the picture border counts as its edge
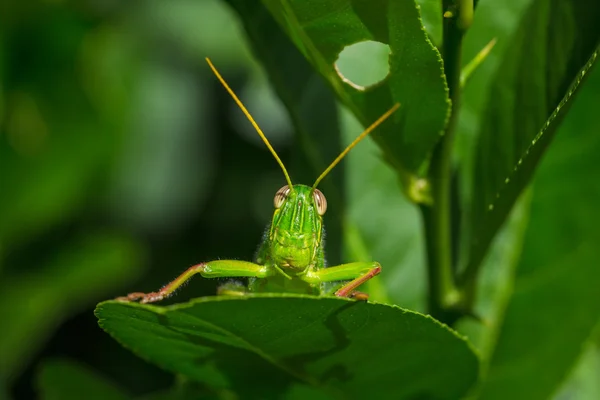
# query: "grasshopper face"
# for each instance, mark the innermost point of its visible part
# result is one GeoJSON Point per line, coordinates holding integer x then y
{"type": "Point", "coordinates": [297, 227]}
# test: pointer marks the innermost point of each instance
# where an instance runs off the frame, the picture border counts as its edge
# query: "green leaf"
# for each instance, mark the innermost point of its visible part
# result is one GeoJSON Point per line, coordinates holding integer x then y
{"type": "Point", "coordinates": [186, 389]}
{"type": "Point", "coordinates": [495, 284]}
{"type": "Point", "coordinates": [525, 91]}
{"type": "Point", "coordinates": [583, 384]}
{"type": "Point", "coordinates": [431, 13]}
{"type": "Point", "coordinates": [322, 29]}
{"type": "Point", "coordinates": [34, 303]}
{"type": "Point", "coordinates": [493, 20]}
{"type": "Point", "coordinates": [65, 380]}
{"type": "Point", "coordinates": [556, 303]}
{"type": "Point", "coordinates": [259, 345]}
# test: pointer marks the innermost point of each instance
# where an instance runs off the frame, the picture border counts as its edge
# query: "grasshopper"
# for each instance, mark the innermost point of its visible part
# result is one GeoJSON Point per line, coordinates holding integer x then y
{"type": "Point", "coordinates": [291, 257]}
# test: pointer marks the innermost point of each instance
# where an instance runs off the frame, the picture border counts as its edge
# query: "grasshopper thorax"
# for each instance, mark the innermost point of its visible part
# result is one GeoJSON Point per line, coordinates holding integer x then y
{"type": "Point", "coordinates": [296, 230]}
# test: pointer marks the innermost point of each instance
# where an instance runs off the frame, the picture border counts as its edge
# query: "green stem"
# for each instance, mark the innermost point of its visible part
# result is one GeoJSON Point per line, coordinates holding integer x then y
{"type": "Point", "coordinates": [443, 295]}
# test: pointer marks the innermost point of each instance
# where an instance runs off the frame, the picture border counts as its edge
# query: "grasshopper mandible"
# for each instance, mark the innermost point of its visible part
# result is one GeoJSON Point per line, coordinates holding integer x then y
{"type": "Point", "coordinates": [291, 257]}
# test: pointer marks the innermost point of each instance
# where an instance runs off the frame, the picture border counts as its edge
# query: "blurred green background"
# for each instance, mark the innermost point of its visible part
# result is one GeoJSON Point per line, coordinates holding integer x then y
{"type": "Point", "coordinates": [122, 162]}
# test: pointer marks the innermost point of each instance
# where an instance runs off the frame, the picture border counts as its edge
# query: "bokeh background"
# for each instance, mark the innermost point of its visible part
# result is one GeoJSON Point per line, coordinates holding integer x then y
{"type": "Point", "coordinates": [122, 162]}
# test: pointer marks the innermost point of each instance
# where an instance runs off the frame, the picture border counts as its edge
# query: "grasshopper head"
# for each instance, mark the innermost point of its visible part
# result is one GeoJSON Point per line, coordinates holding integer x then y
{"type": "Point", "coordinates": [297, 226]}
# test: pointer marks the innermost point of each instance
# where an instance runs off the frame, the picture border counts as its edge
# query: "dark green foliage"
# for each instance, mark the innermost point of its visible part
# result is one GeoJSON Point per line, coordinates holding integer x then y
{"type": "Point", "coordinates": [321, 30]}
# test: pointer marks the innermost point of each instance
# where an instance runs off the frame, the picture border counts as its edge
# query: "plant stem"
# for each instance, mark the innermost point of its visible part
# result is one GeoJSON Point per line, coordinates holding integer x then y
{"type": "Point", "coordinates": [443, 295]}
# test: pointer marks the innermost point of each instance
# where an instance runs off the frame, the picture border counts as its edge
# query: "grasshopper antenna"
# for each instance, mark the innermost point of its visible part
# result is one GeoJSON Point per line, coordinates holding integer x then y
{"type": "Point", "coordinates": [247, 114]}
{"type": "Point", "coordinates": [355, 142]}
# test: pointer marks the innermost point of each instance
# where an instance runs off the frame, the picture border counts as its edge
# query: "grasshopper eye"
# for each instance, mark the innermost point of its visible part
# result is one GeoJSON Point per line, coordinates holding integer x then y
{"type": "Point", "coordinates": [320, 201]}
{"type": "Point", "coordinates": [281, 195]}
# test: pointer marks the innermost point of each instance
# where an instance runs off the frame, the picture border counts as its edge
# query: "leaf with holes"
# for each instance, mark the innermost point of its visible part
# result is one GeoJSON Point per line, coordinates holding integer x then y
{"type": "Point", "coordinates": [261, 345]}
{"type": "Point", "coordinates": [322, 29]}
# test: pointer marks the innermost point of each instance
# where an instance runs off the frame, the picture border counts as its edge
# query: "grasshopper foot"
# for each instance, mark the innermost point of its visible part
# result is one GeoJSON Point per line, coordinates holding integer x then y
{"type": "Point", "coordinates": [360, 296]}
{"type": "Point", "coordinates": [232, 288]}
{"type": "Point", "coordinates": [142, 297]}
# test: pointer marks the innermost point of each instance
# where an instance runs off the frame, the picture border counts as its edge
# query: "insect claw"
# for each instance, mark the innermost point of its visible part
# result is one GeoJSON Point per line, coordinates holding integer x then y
{"type": "Point", "coordinates": [151, 297]}
{"type": "Point", "coordinates": [360, 296]}
{"type": "Point", "coordinates": [131, 297]}
{"type": "Point", "coordinates": [142, 297]}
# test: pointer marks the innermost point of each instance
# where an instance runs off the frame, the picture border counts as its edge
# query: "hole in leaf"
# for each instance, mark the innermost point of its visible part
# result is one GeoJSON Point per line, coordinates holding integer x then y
{"type": "Point", "coordinates": [363, 64]}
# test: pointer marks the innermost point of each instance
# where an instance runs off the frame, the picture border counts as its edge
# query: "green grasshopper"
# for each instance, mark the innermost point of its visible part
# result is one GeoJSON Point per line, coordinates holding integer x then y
{"type": "Point", "coordinates": [291, 257]}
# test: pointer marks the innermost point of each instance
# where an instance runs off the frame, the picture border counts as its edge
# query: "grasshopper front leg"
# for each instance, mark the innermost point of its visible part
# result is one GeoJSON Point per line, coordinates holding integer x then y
{"type": "Point", "coordinates": [212, 269]}
{"type": "Point", "coordinates": [359, 272]}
